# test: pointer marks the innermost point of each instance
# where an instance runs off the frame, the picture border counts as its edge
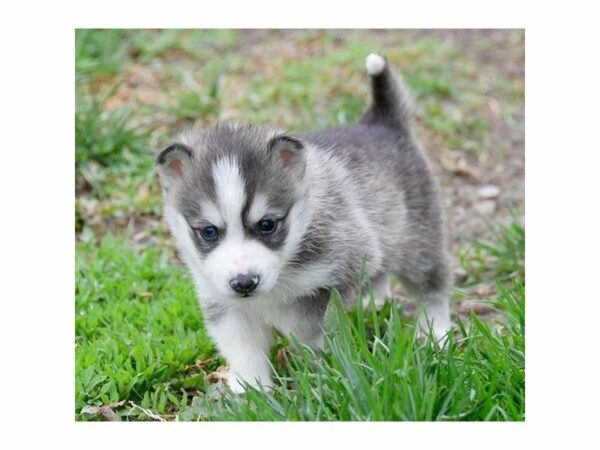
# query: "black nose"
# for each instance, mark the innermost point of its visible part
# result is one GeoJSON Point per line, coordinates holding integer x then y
{"type": "Point", "coordinates": [244, 284]}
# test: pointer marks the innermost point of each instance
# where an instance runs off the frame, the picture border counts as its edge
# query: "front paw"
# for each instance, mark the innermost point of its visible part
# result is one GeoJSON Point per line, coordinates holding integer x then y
{"type": "Point", "coordinates": [234, 383]}
{"type": "Point", "coordinates": [238, 384]}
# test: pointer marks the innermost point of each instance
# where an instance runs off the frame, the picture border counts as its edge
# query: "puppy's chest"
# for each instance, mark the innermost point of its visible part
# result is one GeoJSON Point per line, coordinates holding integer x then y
{"type": "Point", "coordinates": [284, 317]}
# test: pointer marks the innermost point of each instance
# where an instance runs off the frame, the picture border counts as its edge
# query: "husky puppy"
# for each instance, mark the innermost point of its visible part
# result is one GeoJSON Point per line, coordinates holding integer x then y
{"type": "Point", "coordinates": [268, 223]}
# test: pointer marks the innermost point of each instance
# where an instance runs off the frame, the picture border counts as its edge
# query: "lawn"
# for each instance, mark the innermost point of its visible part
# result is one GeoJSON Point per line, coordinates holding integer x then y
{"type": "Point", "coordinates": [141, 350]}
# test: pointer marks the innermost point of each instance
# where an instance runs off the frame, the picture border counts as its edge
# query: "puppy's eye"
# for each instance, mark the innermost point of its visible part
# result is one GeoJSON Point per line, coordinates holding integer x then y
{"type": "Point", "coordinates": [267, 226]}
{"type": "Point", "coordinates": [209, 233]}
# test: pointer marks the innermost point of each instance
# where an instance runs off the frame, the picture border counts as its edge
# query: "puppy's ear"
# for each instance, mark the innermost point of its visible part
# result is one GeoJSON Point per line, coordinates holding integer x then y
{"type": "Point", "coordinates": [289, 151]}
{"type": "Point", "coordinates": [173, 162]}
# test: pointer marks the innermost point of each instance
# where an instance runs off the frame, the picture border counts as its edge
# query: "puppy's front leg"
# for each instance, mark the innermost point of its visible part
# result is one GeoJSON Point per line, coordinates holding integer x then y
{"type": "Point", "coordinates": [245, 343]}
{"type": "Point", "coordinates": [303, 319]}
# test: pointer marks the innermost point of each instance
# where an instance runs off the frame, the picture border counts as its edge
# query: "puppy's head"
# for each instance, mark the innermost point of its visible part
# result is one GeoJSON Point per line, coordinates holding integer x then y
{"type": "Point", "coordinates": [235, 203]}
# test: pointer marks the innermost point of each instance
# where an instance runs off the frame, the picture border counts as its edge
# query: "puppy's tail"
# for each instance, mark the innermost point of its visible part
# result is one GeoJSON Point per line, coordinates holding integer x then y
{"type": "Point", "coordinates": [391, 102]}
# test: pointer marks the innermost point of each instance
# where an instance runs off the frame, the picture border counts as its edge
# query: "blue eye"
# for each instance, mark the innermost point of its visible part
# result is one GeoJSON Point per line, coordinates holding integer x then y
{"type": "Point", "coordinates": [267, 226]}
{"type": "Point", "coordinates": [209, 233]}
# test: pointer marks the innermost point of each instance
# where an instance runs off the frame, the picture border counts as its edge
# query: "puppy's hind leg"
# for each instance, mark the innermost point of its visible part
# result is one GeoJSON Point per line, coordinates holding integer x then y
{"type": "Point", "coordinates": [434, 314]}
{"type": "Point", "coordinates": [432, 293]}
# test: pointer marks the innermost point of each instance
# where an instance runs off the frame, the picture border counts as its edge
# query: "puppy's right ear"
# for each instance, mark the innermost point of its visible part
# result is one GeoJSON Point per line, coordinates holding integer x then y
{"type": "Point", "coordinates": [173, 162]}
{"type": "Point", "coordinates": [289, 151]}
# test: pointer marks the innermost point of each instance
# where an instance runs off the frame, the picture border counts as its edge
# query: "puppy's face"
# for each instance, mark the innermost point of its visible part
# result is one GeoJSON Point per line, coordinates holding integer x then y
{"type": "Point", "coordinates": [234, 202]}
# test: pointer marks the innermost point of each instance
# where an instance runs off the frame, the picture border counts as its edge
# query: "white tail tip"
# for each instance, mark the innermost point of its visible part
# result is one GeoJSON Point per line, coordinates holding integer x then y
{"type": "Point", "coordinates": [375, 64]}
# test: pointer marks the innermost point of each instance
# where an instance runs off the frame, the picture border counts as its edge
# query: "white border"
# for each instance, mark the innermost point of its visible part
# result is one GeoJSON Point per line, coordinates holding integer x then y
{"type": "Point", "coordinates": [37, 221]}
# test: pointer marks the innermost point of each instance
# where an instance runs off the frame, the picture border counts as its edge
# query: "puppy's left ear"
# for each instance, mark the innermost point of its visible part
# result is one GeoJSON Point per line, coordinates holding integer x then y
{"type": "Point", "coordinates": [289, 151]}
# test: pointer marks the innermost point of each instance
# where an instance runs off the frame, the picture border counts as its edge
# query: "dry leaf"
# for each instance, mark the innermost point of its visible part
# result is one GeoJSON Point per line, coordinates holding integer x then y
{"type": "Point", "coordinates": [219, 374]}
{"type": "Point", "coordinates": [105, 411]}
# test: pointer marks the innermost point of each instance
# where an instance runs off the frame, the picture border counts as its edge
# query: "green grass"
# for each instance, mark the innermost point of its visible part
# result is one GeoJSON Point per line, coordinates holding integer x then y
{"type": "Point", "coordinates": [137, 327]}
{"type": "Point", "coordinates": [139, 331]}
{"type": "Point", "coordinates": [376, 370]}
{"type": "Point", "coordinates": [503, 262]}
{"type": "Point", "coordinates": [100, 52]}
{"type": "Point", "coordinates": [373, 367]}
{"type": "Point", "coordinates": [106, 137]}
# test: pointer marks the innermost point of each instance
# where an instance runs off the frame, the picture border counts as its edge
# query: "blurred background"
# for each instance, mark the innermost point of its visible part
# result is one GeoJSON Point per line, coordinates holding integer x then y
{"type": "Point", "coordinates": [137, 88]}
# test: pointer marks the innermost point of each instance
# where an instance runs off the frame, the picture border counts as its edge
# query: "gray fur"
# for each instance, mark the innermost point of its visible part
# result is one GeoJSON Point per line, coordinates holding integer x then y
{"type": "Point", "coordinates": [370, 193]}
{"type": "Point", "coordinates": [392, 185]}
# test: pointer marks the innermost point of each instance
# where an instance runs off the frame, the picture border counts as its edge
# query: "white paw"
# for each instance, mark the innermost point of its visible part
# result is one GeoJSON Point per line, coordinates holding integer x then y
{"type": "Point", "coordinates": [434, 315]}
{"type": "Point", "coordinates": [235, 383]}
{"type": "Point", "coordinates": [238, 385]}
{"type": "Point", "coordinates": [375, 64]}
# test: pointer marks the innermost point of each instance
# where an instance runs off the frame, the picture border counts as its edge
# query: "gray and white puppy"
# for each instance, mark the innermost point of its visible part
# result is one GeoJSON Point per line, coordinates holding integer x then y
{"type": "Point", "coordinates": [269, 223]}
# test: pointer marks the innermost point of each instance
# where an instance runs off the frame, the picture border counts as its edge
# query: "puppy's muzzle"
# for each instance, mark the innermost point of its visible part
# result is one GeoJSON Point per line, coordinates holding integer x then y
{"type": "Point", "coordinates": [244, 284]}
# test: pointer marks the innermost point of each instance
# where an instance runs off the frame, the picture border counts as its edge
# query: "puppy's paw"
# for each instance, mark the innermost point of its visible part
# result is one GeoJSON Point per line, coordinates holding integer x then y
{"type": "Point", "coordinates": [237, 384]}
{"type": "Point", "coordinates": [234, 383]}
